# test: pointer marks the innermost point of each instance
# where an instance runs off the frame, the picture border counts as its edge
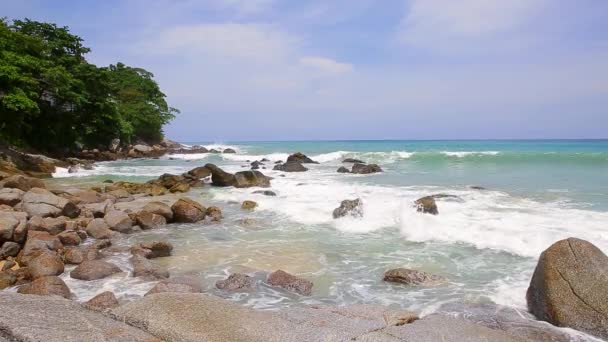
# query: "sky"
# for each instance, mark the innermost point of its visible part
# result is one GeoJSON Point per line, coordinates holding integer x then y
{"type": "Point", "coordinates": [243, 70]}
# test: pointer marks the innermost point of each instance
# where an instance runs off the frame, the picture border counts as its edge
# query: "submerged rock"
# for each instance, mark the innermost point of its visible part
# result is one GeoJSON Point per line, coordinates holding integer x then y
{"type": "Point", "coordinates": [265, 192]}
{"type": "Point", "coordinates": [352, 160]}
{"type": "Point", "coordinates": [143, 267]}
{"type": "Point", "coordinates": [214, 213]}
{"type": "Point", "coordinates": [349, 207]}
{"type": "Point", "coordinates": [365, 168]}
{"type": "Point", "coordinates": [249, 205]}
{"type": "Point", "coordinates": [103, 301]}
{"type": "Point", "coordinates": [290, 166]}
{"type": "Point", "coordinates": [412, 277]}
{"type": "Point", "coordinates": [290, 282]}
{"type": "Point", "coordinates": [569, 287]}
{"type": "Point", "coordinates": [182, 284]}
{"type": "Point", "coordinates": [342, 169]}
{"type": "Point", "coordinates": [426, 205]}
{"type": "Point", "coordinates": [236, 281]}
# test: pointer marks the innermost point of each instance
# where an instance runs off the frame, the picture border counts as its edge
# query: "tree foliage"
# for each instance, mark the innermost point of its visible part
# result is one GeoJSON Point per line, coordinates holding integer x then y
{"type": "Point", "coordinates": [51, 98]}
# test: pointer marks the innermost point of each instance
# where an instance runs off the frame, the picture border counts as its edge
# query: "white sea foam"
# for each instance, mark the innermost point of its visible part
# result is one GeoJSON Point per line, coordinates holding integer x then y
{"type": "Point", "coordinates": [462, 154]}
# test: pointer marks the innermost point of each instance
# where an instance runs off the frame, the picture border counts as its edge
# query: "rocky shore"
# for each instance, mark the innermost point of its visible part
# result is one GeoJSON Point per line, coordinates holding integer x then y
{"type": "Point", "coordinates": [44, 230]}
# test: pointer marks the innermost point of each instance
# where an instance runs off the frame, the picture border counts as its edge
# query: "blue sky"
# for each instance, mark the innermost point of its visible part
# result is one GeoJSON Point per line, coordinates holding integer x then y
{"type": "Point", "coordinates": [357, 69]}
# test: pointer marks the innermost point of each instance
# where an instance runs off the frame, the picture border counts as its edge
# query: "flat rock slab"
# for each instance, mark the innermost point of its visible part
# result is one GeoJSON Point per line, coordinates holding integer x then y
{"type": "Point", "coordinates": [28, 318]}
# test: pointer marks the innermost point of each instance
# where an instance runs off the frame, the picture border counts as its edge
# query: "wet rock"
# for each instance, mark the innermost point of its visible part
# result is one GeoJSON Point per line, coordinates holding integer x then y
{"type": "Point", "coordinates": [50, 225]}
{"type": "Point", "coordinates": [236, 281]}
{"type": "Point", "coordinates": [477, 187]}
{"type": "Point", "coordinates": [159, 208]}
{"type": "Point", "coordinates": [265, 192]}
{"type": "Point", "coordinates": [46, 286]}
{"type": "Point", "coordinates": [352, 208]}
{"type": "Point", "coordinates": [300, 158]}
{"type": "Point", "coordinates": [569, 286]}
{"type": "Point", "coordinates": [121, 195]}
{"type": "Point", "coordinates": [147, 220]}
{"type": "Point", "coordinates": [69, 238]}
{"type": "Point", "coordinates": [246, 179]}
{"type": "Point", "coordinates": [220, 177]}
{"type": "Point", "coordinates": [41, 202]}
{"type": "Point", "coordinates": [7, 279]}
{"type": "Point", "coordinates": [102, 244]}
{"type": "Point", "coordinates": [9, 248]}
{"type": "Point", "coordinates": [200, 172]}
{"type": "Point", "coordinates": [426, 205]}
{"type": "Point", "coordinates": [290, 166]}
{"type": "Point", "coordinates": [46, 264]}
{"type": "Point", "coordinates": [94, 269]}
{"type": "Point", "coordinates": [342, 169]}
{"type": "Point", "coordinates": [181, 188]}
{"type": "Point", "coordinates": [103, 301]}
{"type": "Point", "coordinates": [365, 168]}
{"type": "Point", "coordinates": [99, 229]}
{"type": "Point", "coordinates": [118, 221]}
{"type": "Point", "coordinates": [181, 284]}
{"type": "Point", "coordinates": [22, 183]}
{"type": "Point", "coordinates": [76, 256]}
{"type": "Point", "coordinates": [154, 249]}
{"type": "Point", "coordinates": [412, 277]}
{"type": "Point", "coordinates": [214, 213]}
{"type": "Point", "coordinates": [10, 196]}
{"type": "Point", "coordinates": [256, 165]}
{"type": "Point", "coordinates": [352, 160]}
{"type": "Point", "coordinates": [290, 282]}
{"type": "Point", "coordinates": [186, 210]}
{"type": "Point", "coordinates": [248, 205]}
{"type": "Point", "coordinates": [144, 268]}
{"type": "Point", "coordinates": [229, 150]}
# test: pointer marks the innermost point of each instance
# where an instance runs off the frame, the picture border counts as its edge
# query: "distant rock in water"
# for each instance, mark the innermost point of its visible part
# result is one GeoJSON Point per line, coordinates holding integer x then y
{"type": "Point", "coordinates": [426, 205]}
{"type": "Point", "coordinates": [352, 160]}
{"type": "Point", "coordinates": [349, 207]}
{"type": "Point", "coordinates": [290, 282]}
{"type": "Point", "coordinates": [265, 192]}
{"type": "Point", "coordinates": [412, 277]}
{"type": "Point", "coordinates": [569, 287]}
{"type": "Point", "coordinates": [300, 158]}
{"type": "Point", "coordinates": [236, 281]}
{"type": "Point", "coordinates": [477, 187]}
{"type": "Point", "coordinates": [246, 179]}
{"type": "Point", "coordinates": [342, 169]}
{"type": "Point", "coordinates": [290, 166]}
{"type": "Point", "coordinates": [229, 150]}
{"type": "Point", "coordinates": [365, 168]}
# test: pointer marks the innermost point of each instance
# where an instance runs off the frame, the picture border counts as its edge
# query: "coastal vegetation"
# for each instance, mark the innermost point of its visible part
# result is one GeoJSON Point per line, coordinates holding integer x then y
{"type": "Point", "coordinates": [53, 99]}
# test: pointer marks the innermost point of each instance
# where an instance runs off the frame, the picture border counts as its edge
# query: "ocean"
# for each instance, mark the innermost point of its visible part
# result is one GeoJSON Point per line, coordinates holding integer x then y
{"type": "Point", "coordinates": [485, 241]}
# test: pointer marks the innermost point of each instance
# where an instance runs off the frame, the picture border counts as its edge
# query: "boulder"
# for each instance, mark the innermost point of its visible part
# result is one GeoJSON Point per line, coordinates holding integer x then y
{"type": "Point", "coordinates": [365, 168]}
{"type": "Point", "coordinates": [246, 179]}
{"type": "Point", "coordinates": [290, 166]}
{"type": "Point", "coordinates": [118, 221]}
{"type": "Point", "coordinates": [142, 148]}
{"type": "Point", "coordinates": [229, 150]}
{"type": "Point", "coordinates": [154, 249]}
{"type": "Point", "coordinates": [7, 279]}
{"type": "Point", "coordinates": [98, 210]}
{"type": "Point", "coordinates": [569, 286]}
{"type": "Point", "coordinates": [47, 286]}
{"type": "Point", "coordinates": [50, 225]}
{"type": "Point", "coordinates": [76, 256]}
{"type": "Point", "coordinates": [256, 165]}
{"type": "Point", "coordinates": [99, 229]}
{"type": "Point", "coordinates": [186, 210]}
{"type": "Point", "coordinates": [38, 243]}
{"type": "Point", "coordinates": [220, 177]}
{"type": "Point", "coordinates": [214, 213]}
{"type": "Point", "coordinates": [13, 226]}
{"type": "Point", "coordinates": [103, 301]}
{"type": "Point", "coordinates": [168, 180]}
{"type": "Point", "coordinates": [236, 281]}
{"type": "Point", "coordinates": [10, 196]}
{"type": "Point", "coordinates": [147, 220]}
{"type": "Point", "coordinates": [265, 192]}
{"type": "Point", "coordinates": [159, 208]}
{"type": "Point", "coordinates": [94, 269]}
{"type": "Point", "coordinates": [9, 248]}
{"type": "Point", "coordinates": [412, 277]}
{"type": "Point", "coordinates": [70, 238]}
{"type": "Point", "coordinates": [121, 195]}
{"type": "Point", "coordinates": [181, 284]}
{"type": "Point", "coordinates": [144, 268]}
{"type": "Point", "coordinates": [22, 183]}
{"type": "Point", "coordinates": [290, 282]}
{"type": "Point", "coordinates": [426, 205]}
{"type": "Point", "coordinates": [342, 169]}
{"type": "Point", "coordinates": [46, 264]}
{"type": "Point", "coordinates": [300, 158]}
{"type": "Point", "coordinates": [181, 188]}
{"type": "Point", "coordinates": [249, 205]}
{"type": "Point", "coordinates": [41, 202]}
{"type": "Point", "coordinates": [352, 160]}
{"type": "Point", "coordinates": [352, 208]}
{"type": "Point", "coordinates": [114, 144]}
{"type": "Point", "coordinates": [200, 172]}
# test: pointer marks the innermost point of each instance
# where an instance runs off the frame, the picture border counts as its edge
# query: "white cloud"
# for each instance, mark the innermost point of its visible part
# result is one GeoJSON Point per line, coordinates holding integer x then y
{"type": "Point", "coordinates": [325, 64]}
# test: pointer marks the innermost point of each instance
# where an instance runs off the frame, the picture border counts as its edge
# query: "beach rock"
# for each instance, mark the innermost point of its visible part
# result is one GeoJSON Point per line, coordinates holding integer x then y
{"type": "Point", "coordinates": [342, 169]}
{"type": "Point", "coordinates": [94, 269]}
{"type": "Point", "coordinates": [118, 221]}
{"type": "Point", "coordinates": [349, 207]}
{"type": "Point", "coordinates": [55, 319]}
{"type": "Point", "coordinates": [236, 281]}
{"type": "Point", "coordinates": [46, 286]}
{"type": "Point", "coordinates": [10, 196]}
{"type": "Point", "coordinates": [98, 210]}
{"type": "Point", "coordinates": [142, 148]}
{"type": "Point", "coordinates": [186, 210]}
{"type": "Point", "coordinates": [168, 180]}
{"type": "Point", "coordinates": [9, 248]}
{"type": "Point", "coordinates": [181, 284]}
{"type": "Point", "coordinates": [300, 158]}
{"type": "Point", "coordinates": [412, 277]}
{"type": "Point", "coordinates": [41, 202]}
{"type": "Point", "coordinates": [365, 168]}
{"type": "Point", "coordinates": [214, 213]}
{"type": "Point", "coordinates": [46, 264]}
{"type": "Point", "coordinates": [256, 165]}
{"type": "Point", "coordinates": [248, 205]}
{"type": "Point", "coordinates": [76, 256]}
{"type": "Point", "coordinates": [7, 279]}
{"type": "Point", "coordinates": [144, 268]}
{"type": "Point", "coordinates": [99, 229]}
{"type": "Point", "coordinates": [102, 244]}
{"type": "Point", "coordinates": [50, 225]}
{"type": "Point", "coordinates": [180, 188]}
{"type": "Point", "coordinates": [36, 244]}
{"type": "Point", "coordinates": [69, 238]}
{"type": "Point", "coordinates": [8, 224]}
{"type": "Point", "coordinates": [22, 183]}
{"type": "Point", "coordinates": [569, 286]}
{"type": "Point", "coordinates": [352, 160]}
{"type": "Point", "coordinates": [159, 208]}
{"type": "Point", "coordinates": [220, 177]}
{"type": "Point", "coordinates": [121, 195]}
{"type": "Point", "coordinates": [147, 220]}
{"type": "Point", "coordinates": [426, 205]}
{"type": "Point", "coordinates": [246, 179]}
{"type": "Point", "coordinates": [290, 166]}
{"type": "Point", "coordinates": [265, 192]}
{"type": "Point", "coordinates": [103, 301]}
{"type": "Point", "coordinates": [290, 282]}
{"type": "Point", "coordinates": [200, 172]}
{"type": "Point", "coordinates": [154, 249]}
{"type": "Point", "coordinates": [229, 150]}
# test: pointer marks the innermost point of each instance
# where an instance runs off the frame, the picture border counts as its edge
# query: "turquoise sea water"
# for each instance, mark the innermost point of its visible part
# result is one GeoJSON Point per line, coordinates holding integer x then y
{"type": "Point", "coordinates": [486, 242]}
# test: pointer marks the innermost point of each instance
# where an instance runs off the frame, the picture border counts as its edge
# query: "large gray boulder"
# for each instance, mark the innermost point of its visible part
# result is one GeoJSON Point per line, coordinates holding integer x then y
{"type": "Point", "coordinates": [569, 287]}
{"type": "Point", "coordinates": [54, 319]}
{"type": "Point", "coordinates": [246, 179]}
{"type": "Point", "coordinates": [159, 208]}
{"type": "Point", "coordinates": [23, 183]}
{"type": "Point", "coordinates": [46, 286]}
{"type": "Point", "coordinates": [118, 221]}
{"type": "Point", "coordinates": [41, 202]}
{"type": "Point", "coordinates": [46, 264]}
{"type": "Point", "coordinates": [94, 269]}
{"type": "Point", "coordinates": [220, 177]}
{"type": "Point", "coordinates": [11, 197]}
{"type": "Point", "coordinates": [99, 229]}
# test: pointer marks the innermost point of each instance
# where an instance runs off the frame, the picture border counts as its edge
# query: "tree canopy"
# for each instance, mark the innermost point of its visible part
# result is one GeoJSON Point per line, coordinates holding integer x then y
{"type": "Point", "coordinates": [51, 98]}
